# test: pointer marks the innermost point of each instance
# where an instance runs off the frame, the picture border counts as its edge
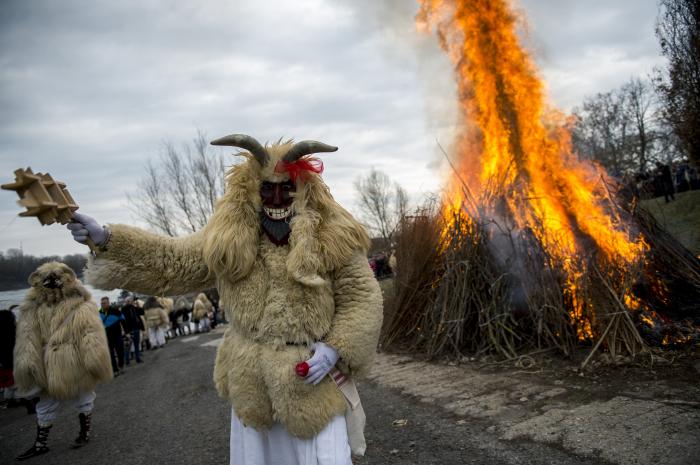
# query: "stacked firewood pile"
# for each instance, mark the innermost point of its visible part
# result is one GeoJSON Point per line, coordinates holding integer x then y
{"type": "Point", "coordinates": [471, 284]}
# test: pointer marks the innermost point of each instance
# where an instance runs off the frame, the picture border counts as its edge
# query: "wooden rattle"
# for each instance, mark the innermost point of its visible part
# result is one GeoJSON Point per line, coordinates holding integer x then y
{"type": "Point", "coordinates": [44, 198]}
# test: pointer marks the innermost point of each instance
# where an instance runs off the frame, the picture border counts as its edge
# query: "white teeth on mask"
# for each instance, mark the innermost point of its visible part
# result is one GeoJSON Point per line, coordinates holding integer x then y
{"type": "Point", "coordinates": [277, 213]}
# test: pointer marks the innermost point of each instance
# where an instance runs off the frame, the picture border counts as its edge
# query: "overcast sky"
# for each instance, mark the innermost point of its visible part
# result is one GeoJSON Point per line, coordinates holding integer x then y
{"type": "Point", "coordinates": [89, 90]}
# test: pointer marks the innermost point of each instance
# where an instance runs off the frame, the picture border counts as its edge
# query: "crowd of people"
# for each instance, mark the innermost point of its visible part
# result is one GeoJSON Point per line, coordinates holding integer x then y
{"type": "Point", "coordinates": [135, 325]}
{"type": "Point", "coordinates": [665, 180]}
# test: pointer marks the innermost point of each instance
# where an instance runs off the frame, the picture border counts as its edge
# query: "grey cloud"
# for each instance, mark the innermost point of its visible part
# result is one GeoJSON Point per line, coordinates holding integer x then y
{"type": "Point", "coordinates": [89, 90]}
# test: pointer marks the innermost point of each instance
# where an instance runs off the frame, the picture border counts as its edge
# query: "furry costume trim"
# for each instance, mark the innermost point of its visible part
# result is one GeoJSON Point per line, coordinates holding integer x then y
{"type": "Point", "coordinates": [151, 264]}
{"type": "Point", "coordinates": [260, 382]}
{"type": "Point", "coordinates": [358, 316]}
{"type": "Point", "coordinates": [346, 312]}
{"type": "Point", "coordinates": [156, 317]}
{"type": "Point", "coordinates": [201, 307]}
{"type": "Point", "coordinates": [324, 236]}
{"type": "Point", "coordinates": [318, 287]}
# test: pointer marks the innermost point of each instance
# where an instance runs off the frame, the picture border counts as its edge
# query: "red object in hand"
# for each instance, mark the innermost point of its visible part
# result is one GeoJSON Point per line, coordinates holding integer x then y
{"type": "Point", "coordinates": [302, 369]}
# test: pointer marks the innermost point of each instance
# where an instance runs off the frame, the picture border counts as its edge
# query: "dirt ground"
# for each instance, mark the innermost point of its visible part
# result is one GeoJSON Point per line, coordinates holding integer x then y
{"type": "Point", "coordinates": [633, 414]}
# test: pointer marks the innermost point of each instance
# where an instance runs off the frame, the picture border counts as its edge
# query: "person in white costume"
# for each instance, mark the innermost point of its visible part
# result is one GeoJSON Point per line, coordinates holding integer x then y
{"type": "Point", "coordinates": [156, 319]}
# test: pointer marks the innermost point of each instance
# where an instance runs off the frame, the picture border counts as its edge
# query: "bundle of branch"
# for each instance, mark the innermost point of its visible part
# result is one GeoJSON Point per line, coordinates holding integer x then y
{"type": "Point", "coordinates": [485, 287]}
{"type": "Point", "coordinates": [461, 289]}
{"type": "Point", "coordinates": [417, 244]}
{"type": "Point", "coordinates": [609, 292]}
{"type": "Point", "coordinates": [471, 281]}
{"type": "Point", "coordinates": [676, 267]}
{"type": "Point", "coordinates": [471, 310]}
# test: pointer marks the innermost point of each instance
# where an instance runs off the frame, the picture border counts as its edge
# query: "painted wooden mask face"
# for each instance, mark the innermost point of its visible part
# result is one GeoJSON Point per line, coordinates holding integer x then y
{"type": "Point", "coordinates": [277, 199]}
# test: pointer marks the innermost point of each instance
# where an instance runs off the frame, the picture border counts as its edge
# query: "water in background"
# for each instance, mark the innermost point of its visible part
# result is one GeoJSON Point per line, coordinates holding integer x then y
{"type": "Point", "coordinates": [8, 298]}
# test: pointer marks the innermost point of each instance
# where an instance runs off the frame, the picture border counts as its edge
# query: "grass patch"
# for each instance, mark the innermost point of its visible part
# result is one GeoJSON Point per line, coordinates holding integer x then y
{"type": "Point", "coordinates": [681, 218]}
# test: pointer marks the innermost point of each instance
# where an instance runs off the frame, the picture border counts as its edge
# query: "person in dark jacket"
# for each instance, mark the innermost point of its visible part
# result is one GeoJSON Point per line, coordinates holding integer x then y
{"type": "Point", "coordinates": [7, 381]}
{"type": "Point", "coordinates": [133, 324]}
{"type": "Point", "coordinates": [113, 321]}
{"type": "Point", "coordinates": [7, 346]}
{"type": "Point", "coordinates": [665, 180]}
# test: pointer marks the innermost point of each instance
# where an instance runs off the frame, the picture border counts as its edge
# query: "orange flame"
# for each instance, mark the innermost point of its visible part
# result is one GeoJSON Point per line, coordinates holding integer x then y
{"type": "Point", "coordinates": [515, 149]}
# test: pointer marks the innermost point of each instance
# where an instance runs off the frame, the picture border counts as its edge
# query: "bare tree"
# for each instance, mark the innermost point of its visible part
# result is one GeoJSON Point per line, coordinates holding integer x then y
{"type": "Point", "coordinates": [641, 111]}
{"type": "Point", "coordinates": [382, 203]}
{"type": "Point", "coordinates": [178, 193]}
{"type": "Point", "coordinates": [678, 30]}
{"type": "Point", "coordinates": [602, 130]}
{"type": "Point", "coordinates": [622, 129]}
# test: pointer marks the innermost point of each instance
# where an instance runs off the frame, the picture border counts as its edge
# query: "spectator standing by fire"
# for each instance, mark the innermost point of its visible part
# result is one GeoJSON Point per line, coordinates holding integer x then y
{"type": "Point", "coordinates": [665, 181]}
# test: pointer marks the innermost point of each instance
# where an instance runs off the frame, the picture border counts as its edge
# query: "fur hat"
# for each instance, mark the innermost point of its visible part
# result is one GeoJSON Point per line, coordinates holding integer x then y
{"type": "Point", "coordinates": [323, 234]}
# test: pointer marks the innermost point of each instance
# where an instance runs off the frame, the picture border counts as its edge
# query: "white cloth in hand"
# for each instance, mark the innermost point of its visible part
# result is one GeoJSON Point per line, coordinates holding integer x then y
{"type": "Point", "coordinates": [321, 362]}
{"type": "Point", "coordinates": [87, 226]}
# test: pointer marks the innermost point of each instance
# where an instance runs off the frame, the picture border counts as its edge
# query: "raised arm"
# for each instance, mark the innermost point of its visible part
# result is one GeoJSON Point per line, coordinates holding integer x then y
{"type": "Point", "coordinates": [358, 316]}
{"type": "Point", "coordinates": [134, 259]}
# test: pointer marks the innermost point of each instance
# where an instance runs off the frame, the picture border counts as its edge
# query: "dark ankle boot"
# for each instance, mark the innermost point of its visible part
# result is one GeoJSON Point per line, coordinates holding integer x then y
{"type": "Point", "coordinates": [84, 435]}
{"type": "Point", "coordinates": [39, 447]}
{"type": "Point", "coordinates": [30, 405]}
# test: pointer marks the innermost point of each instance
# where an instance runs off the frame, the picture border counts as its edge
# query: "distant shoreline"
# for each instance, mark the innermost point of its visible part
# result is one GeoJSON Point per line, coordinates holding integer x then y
{"type": "Point", "coordinates": [13, 287]}
{"type": "Point", "coordinates": [19, 285]}
{"type": "Point", "coordinates": [10, 297]}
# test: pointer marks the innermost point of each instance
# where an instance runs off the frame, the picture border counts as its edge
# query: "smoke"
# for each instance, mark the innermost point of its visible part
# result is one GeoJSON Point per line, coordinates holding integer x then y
{"type": "Point", "coordinates": [418, 53]}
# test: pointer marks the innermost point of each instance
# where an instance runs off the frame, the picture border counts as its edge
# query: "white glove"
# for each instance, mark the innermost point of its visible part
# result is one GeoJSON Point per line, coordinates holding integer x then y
{"type": "Point", "coordinates": [321, 363]}
{"type": "Point", "coordinates": [86, 226]}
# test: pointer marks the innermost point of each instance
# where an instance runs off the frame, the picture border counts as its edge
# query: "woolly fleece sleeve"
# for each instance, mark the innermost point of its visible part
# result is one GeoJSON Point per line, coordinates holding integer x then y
{"type": "Point", "coordinates": [358, 316]}
{"type": "Point", "coordinates": [28, 355]}
{"type": "Point", "coordinates": [151, 264]}
{"type": "Point", "coordinates": [92, 344]}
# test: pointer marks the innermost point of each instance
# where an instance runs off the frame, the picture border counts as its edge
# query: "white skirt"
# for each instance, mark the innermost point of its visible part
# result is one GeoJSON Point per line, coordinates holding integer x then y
{"type": "Point", "coordinates": [277, 447]}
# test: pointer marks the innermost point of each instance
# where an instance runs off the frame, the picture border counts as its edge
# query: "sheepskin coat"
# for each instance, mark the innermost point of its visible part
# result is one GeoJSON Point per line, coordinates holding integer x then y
{"type": "Point", "coordinates": [280, 299]}
{"type": "Point", "coordinates": [61, 342]}
{"type": "Point", "coordinates": [202, 306]}
{"type": "Point", "coordinates": [167, 303]}
{"type": "Point", "coordinates": [156, 317]}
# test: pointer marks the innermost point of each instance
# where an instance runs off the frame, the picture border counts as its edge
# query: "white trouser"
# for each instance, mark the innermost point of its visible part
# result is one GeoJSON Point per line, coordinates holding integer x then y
{"type": "Point", "coordinates": [277, 447]}
{"type": "Point", "coordinates": [156, 336]}
{"type": "Point", "coordinates": [9, 392]}
{"type": "Point", "coordinates": [47, 408]}
{"type": "Point", "coordinates": [204, 324]}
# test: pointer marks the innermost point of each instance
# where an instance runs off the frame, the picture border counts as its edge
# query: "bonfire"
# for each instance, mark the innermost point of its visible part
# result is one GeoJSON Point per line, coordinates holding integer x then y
{"type": "Point", "coordinates": [530, 248]}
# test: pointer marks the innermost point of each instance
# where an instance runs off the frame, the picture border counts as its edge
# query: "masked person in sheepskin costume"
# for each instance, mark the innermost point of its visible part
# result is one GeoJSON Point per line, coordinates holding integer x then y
{"type": "Point", "coordinates": [201, 309]}
{"type": "Point", "coordinates": [61, 350]}
{"type": "Point", "coordinates": [291, 265]}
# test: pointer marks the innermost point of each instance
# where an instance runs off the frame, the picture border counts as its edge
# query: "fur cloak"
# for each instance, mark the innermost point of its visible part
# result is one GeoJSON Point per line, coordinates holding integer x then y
{"type": "Point", "coordinates": [156, 317]}
{"type": "Point", "coordinates": [202, 306]}
{"type": "Point", "coordinates": [61, 342]}
{"type": "Point", "coordinates": [279, 299]}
